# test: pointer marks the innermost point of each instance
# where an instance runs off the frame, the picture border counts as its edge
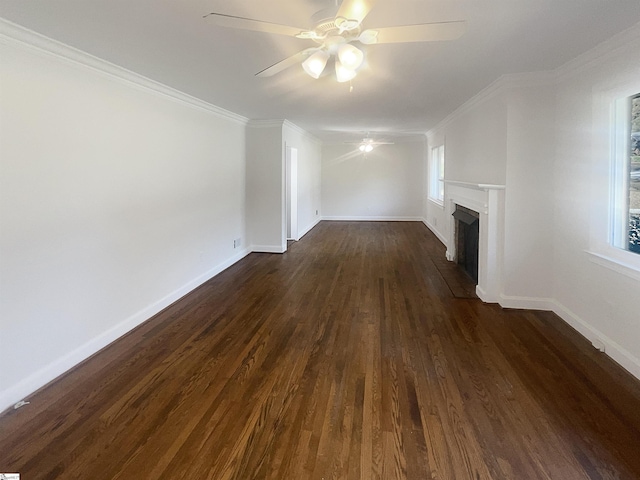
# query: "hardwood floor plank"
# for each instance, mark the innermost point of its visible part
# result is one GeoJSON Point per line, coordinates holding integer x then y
{"type": "Point", "coordinates": [358, 354]}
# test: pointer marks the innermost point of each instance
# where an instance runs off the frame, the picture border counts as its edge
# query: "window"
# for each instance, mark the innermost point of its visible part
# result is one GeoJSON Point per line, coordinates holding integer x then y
{"type": "Point", "coordinates": [634, 176]}
{"type": "Point", "coordinates": [436, 175]}
{"type": "Point", "coordinates": [626, 228]}
{"type": "Point", "coordinates": [614, 207]}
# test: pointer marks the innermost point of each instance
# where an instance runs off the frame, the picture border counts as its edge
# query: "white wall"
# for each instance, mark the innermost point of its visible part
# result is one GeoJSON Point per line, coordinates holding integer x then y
{"type": "Point", "coordinates": [115, 200]}
{"type": "Point", "coordinates": [546, 136]}
{"type": "Point", "coordinates": [266, 223]}
{"type": "Point", "coordinates": [600, 302]}
{"type": "Point", "coordinates": [528, 236]}
{"type": "Point", "coordinates": [266, 210]}
{"type": "Point", "coordinates": [386, 183]}
{"type": "Point", "coordinates": [309, 175]}
{"type": "Point", "coordinates": [475, 145]}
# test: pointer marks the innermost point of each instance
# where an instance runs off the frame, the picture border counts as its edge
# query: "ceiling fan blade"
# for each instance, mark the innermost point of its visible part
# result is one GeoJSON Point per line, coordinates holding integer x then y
{"type": "Point", "coordinates": [230, 21]}
{"type": "Point", "coordinates": [424, 32]}
{"type": "Point", "coordinates": [355, 9]}
{"type": "Point", "coordinates": [284, 64]}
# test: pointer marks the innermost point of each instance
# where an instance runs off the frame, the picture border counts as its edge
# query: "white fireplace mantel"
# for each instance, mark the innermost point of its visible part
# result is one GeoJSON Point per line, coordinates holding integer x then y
{"type": "Point", "coordinates": [488, 201]}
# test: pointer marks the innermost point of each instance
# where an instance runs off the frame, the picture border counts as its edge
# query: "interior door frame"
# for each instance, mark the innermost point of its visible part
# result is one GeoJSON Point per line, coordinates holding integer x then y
{"type": "Point", "coordinates": [291, 192]}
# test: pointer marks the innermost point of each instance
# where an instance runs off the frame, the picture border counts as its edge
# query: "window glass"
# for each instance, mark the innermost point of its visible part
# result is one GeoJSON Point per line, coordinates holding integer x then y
{"type": "Point", "coordinates": [634, 177]}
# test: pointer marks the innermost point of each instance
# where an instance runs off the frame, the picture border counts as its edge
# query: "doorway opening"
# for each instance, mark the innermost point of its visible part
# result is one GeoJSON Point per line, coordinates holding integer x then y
{"type": "Point", "coordinates": [291, 189]}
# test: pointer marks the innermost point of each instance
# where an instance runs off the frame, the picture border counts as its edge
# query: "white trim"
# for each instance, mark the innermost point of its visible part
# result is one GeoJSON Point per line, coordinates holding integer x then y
{"type": "Point", "coordinates": [482, 96]}
{"type": "Point", "coordinates": [435, 174]}
{"type": "Point", "coordinates": [301, 132]}
{"type": "Point", "coordinates": [500, 85]}
{"type": "Point", "coordinates": [265, 123]}
{"type": "Point", "coordinates": [572, 67]}
{"type": "Point", "coordinates": [268, 248]}
{"type": "Point", "coordinates": [597, 338]}
{"type": "Point", "coordinates": [609, 218]}
{"type": "Point", "coordinates": [528, 303]}
{"type": "Point", "coordinates": [270, 123]}
{"type": "Point", "coordinates": [435, 202]}
{"type": "Point", "coordinates": [482, 295]}
{"type": "Point", "coordinates": [476, 186]}
{"type": "Point", "coordinates": [615, 264]}
{"type": "Point", "coordinates": [594, 55]}
{"type": "Point", "coordinates": [53, 370]}
{"type": "Point", "coordinates": [373, 219]}
{"type": "Point", "coordinates": [309, 228]}
{"type": "Point", "coordinates": [489, 202]}
{"type": "Point", "coordinates": [435, 232]}
{"type": "Point", "coordinates": [15, 35]}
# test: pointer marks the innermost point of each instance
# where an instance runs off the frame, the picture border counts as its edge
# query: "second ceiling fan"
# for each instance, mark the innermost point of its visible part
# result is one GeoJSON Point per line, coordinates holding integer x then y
{"type": "Point", "coordinates": [334, 34]}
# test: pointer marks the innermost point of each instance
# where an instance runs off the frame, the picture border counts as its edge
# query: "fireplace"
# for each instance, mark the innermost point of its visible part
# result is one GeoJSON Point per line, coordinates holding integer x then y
{"type": "Point", "coordinates": [467, 236]}
{"type": "Point", "coordinates": [482, 207]}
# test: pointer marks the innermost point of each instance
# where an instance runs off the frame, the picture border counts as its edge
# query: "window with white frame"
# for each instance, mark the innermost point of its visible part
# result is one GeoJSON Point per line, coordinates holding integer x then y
{"type": "Point", "coordinates": [436, 174]}
{"type": "Point", "coordinates": [626, 188]}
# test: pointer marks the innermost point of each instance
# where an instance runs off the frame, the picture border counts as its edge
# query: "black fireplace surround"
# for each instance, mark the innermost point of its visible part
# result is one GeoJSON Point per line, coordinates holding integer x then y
{"type": "Point", "coordinates": [467, 237]}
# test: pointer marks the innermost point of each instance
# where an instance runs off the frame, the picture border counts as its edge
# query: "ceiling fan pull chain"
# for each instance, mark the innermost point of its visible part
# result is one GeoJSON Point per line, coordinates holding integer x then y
{"type": "Point", "coordinates": [350, 86]}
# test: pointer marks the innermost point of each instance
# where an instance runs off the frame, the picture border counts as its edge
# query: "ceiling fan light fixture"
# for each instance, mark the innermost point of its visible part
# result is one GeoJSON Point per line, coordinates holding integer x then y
{"type": "Point", "coordinates": [368, 37]}
{"type": "Point", "coordinates": [314, 65]}
{"type": "Point", "coordinates": [344, 74]}
{"type": "Point", "coordinates": [346, 25]}
{"type": "Point", "coordinates": [350, 56]}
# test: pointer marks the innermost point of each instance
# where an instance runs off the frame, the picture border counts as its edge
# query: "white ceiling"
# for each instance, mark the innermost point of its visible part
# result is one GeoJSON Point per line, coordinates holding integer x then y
{"type": "Point", "coordinates": [402, 88]}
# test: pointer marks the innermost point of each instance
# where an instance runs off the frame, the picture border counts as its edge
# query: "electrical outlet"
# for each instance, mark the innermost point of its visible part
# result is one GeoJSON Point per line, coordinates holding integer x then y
{"type": "Point", "coordinates": [237, 242]}
{"type": "Point", "coordinates": [316, 212]}
{"type": "Point", "coordinates": [21, 403]}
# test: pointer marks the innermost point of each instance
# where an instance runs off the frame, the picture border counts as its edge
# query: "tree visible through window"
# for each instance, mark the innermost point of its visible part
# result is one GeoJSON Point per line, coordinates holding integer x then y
{"type": "Point", "coordinates": [634, 176]}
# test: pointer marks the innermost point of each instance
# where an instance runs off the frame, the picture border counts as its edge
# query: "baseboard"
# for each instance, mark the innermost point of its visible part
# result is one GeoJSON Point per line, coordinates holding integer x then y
{"type": "Point", "coordinates": [372, 219]}
{"type": "Point", "coordinates": [529, 303]}
{"type": "Point", "coordinates": [309, 228]}
{"type": "Point", "coordinates": [267, 249]}
{"type": "Point", "coordinates": [45, 375]}
{"type": "Point", "coordinates": [618, 353]}
{"type": "Point", "coordinates": [599, 340]}
{"type": "Point", "coordinates": [484, 296]}
{"type": "Point", "coordinates": [435, 232]}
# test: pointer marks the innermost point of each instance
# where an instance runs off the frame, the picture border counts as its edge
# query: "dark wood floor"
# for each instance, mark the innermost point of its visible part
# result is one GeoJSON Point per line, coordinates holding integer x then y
{"type": "Point", "coordinates": [348, 357]}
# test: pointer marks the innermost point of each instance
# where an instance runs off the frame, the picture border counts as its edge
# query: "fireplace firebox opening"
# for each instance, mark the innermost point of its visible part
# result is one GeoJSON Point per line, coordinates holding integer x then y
{"type": "Point", "coordinates": [467, 237]}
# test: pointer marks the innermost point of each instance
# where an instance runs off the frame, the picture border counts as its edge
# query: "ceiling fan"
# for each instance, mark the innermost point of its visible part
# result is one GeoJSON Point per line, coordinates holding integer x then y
{"type": "Point", "coordinates": [368, 144]}
{"type": "Point", "coordinates": [334, 33]}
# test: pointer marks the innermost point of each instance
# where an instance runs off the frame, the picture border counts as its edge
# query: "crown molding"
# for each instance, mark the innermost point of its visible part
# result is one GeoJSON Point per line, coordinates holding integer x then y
{"type": "Point", "coordinates": [530, 79]}
{"type": "Point", "coordinates": [485, 94]}
{"type": "Point", "coordinates": [17, 36]}
{"type": "Point", "coordinates": [265, 123]}
{"type": "Point", "coordinates": [499, 86]}
{"type": "Point", "coordinates": [592, 57]}
{"type": "Point", "coordinates": [302, 132]}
